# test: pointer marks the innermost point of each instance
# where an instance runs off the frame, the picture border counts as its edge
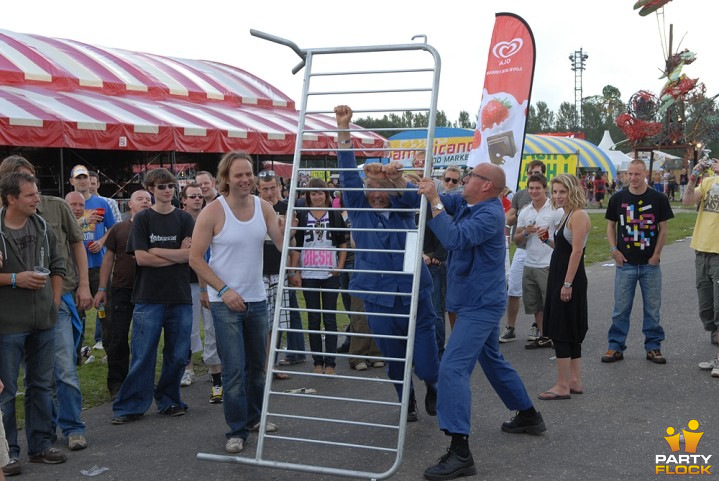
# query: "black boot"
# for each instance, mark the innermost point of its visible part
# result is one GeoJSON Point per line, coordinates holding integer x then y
{"type": "Point", "coordinates": [412, 415]}
{"type": "Point", "coordinates": [457, 462]}
{"type": "Point", "coordinates": [430, 400]}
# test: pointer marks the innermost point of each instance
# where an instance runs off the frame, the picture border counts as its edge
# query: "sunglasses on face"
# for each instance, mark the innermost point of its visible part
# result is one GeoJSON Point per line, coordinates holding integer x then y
{"type": "Point", "coordinates": [165, 186]}
{"type": "Point", "coordinates": [195, 196]}
{"type": "Point", "coordinates": [266, 174]}
{"type": "Point", "coordinates": [449, 179]}
{"type": "Point", "coordinates": [472, 174]}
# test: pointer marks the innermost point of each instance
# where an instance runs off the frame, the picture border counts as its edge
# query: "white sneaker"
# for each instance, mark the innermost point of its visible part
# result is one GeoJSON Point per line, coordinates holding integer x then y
{"type": "Point", "coordinates": [715, 372]}
{"type": "Point", "coordinates": [187, 378]}
{"type": "Point", "coordinates": [234, 445]}
{"type": "Point", "coordinates": [708, 366]}
{"type": "Point", "coordinates": [269, 428]}
{"type": "Point", "coordinates": [361, 366]}
{"type": "Point", "coordinates": [533, 333]}
{"type": "Point", "coordinates": [378, 364]}
{"type": "Point", "coordinates": [98, 346]}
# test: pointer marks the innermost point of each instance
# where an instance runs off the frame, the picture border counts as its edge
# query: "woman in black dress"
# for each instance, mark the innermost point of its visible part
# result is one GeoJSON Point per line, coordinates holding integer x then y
{"type": "Point", "coordinates": [565, 308]}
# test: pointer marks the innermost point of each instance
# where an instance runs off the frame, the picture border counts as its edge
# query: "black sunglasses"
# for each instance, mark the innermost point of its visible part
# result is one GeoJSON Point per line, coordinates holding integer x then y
{"type": "Point", "coordinates": [449, 179]}
{"type": "Point", "coordinates": [195, 196]}
{"type": "Point", "coordinates": [165, 186]}
{"type": "Point", "coordinates": [266, 174]}
{"type": "Point", "coordinates": [472, 174]}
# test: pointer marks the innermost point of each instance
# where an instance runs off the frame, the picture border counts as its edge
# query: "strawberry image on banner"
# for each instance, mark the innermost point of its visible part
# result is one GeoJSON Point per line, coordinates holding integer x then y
{"type": "Point", "coordinates": [502, 116]}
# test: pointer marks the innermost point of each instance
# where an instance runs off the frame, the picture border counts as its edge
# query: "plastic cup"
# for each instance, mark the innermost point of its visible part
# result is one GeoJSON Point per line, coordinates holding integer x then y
{"type": "Point", "coordinates": [41, 271]}
{"type": "Point", "coordinates": [100, 211]}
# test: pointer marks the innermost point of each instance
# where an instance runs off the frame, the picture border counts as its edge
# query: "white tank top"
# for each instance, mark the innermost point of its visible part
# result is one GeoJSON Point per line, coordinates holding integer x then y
{"type": "Point", "coordinates": [236, 254]}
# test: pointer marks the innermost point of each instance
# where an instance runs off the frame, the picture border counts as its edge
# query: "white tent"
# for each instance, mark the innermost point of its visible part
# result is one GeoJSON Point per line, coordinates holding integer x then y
{"type": "Point", "coordinates": [620, 159]}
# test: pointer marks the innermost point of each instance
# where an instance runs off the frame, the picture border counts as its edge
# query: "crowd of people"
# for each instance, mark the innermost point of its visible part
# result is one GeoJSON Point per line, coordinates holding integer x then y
{"type": "Point", "coordinates": [169, 271]}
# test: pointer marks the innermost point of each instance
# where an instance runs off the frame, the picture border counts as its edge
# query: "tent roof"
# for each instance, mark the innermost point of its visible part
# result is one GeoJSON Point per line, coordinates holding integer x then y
{"type": "Point", "coordinates": [62, 93]}
{"type": "Point", "coordinates": [589, 154]}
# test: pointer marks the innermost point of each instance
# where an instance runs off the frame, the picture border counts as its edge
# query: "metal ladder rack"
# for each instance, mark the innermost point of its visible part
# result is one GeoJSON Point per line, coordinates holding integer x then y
{"type": "Point", "coordinates": [355, 415]}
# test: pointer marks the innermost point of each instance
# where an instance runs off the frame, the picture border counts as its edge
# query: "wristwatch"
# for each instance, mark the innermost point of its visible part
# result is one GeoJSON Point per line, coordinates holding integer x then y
{"type": "Point", "coordinates": [438, 206]}
{"type": "Point", "coordinates": [567, 285]}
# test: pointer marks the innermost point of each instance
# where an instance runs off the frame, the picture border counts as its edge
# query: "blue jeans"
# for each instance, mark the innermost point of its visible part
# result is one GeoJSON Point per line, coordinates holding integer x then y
{"type": "Point", "coordinates": [241, 341]}
{"type": "Point", "coordinates": [439, 280]}
{"type": "Point", "coordinates": [327, 301]}
{"type": "Point", "coordinates": [68, 397]}
{"type": "Point", "coordinates": [649, 278]}
{"type": "Point", "coordinates": [295, 340]}
{"type": "Point", "coordinates": [36, 349]}
{"type": "Point", "coordinates": [148, 321]}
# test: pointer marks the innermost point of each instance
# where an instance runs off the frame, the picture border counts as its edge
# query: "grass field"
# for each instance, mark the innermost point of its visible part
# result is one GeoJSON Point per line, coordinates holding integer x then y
{"type": "Point", "coordinates": [93, 375]}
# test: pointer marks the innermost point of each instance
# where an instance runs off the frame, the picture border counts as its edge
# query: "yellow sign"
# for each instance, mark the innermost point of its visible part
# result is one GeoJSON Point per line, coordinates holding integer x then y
{"type": "Point", "coordinates": [556, 164]}
{"type": "Point", "coordinates": [447, 150]}
{"type": "Point", "coordinates": [682, 464]}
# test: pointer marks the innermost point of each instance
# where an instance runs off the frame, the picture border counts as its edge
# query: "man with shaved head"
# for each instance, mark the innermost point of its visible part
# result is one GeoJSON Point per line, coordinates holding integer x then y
{"type": "Point", "coordinates": [470, 225]}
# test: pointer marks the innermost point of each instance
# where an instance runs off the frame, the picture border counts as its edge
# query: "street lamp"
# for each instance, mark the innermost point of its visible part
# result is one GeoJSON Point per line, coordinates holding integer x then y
{"type": "Point", "coordinates": [578, 59]}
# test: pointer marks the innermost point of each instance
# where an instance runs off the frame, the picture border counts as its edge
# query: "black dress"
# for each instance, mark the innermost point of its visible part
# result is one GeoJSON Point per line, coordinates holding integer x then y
{"type": "Point", "coordinates": [565, 321]}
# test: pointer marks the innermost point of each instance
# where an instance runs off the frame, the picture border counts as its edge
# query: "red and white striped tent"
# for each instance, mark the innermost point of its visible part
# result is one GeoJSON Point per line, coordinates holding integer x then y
{"type": "Point", "coordinates": [63, 93]}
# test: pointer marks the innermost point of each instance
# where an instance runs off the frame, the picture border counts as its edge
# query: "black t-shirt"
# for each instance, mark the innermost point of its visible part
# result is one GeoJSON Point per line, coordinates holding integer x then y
{"type": "Point", "coordinates": [271, 257]}
{"type": "Point", "coordinates": [123, 272]}
{"type": "Point", "coordinates": [638, 218]}
{"type": "Point", "coordinates": [161, 285]}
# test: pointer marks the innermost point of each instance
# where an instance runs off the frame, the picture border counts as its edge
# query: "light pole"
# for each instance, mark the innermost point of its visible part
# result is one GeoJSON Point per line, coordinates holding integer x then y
{"type": "Point", "coordinates": [578, 59]}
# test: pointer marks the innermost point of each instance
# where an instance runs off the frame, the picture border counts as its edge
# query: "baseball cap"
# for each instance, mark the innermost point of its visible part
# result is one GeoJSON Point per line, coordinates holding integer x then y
{"type": "Point", "coordinates": [79, 170]}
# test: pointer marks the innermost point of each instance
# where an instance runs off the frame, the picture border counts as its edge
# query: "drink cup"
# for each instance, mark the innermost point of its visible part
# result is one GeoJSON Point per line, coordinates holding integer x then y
{"type": "Point", "coordinates": [41, 271]}
{"type": "Point", "coordinates": [100, 211]}
{"type": "Point", "coordinates": [543, 233]}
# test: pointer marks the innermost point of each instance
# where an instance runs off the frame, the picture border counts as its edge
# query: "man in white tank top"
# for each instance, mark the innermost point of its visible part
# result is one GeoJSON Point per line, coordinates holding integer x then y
{"type": "Point", "coordinates": [234, 228]}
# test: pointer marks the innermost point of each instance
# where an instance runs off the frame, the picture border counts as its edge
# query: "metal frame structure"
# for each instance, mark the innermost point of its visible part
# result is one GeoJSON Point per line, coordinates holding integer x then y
{"type": "Point", "coordinates": [382, 416]}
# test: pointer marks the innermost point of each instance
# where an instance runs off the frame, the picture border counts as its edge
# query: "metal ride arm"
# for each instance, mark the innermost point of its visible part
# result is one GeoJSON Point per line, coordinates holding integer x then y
{"type": "Point", "coordinates": [353, 415]}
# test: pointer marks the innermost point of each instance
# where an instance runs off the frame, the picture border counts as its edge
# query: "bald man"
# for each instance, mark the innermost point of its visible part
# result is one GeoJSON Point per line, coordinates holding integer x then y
{"type": "Point", "coordinates": [470, 225]}
{"type": "Point", "coordinates": [77, 204]}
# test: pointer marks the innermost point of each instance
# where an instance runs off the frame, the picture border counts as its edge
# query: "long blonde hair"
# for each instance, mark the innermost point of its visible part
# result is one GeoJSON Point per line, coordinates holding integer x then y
{"type": "Point", "coordinates": [223, 170]}
{"type": "Point", "coordinates": [575, 199]}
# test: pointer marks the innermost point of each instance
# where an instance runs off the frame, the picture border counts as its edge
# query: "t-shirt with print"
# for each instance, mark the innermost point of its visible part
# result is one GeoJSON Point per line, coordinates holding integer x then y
{"type": "Point", "coordinates": [315, 236]}
{"type": "Point", "coordinates": [638, 218]}
{"type": "Point", "coordinates": [25, 240]}
{"type": "Point", "coordinates": [520, 200]}
{"type": "Point", "coordinates": [271, 257]}
{"type": "Point", "coordinates": [706, 230]}
{"type": "Point", "coordinates": [168, 284]}
{"type": "Point", "coordinates": [94, 232]}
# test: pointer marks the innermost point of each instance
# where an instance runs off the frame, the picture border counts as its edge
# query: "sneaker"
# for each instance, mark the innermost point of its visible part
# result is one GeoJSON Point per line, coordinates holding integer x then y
{"type": "Point", "coordinates": [715, 372]}
{"type": "Point", "coordinates": [529, 425]}
{"type": "Point", "coordinates": [708, 366]}
{"type": "Point", "coordinates": [174, 411]}
{"type": "Point", "coordinates": [330, 370]}
{"type": "Point", "coordinates": [187, 378]}
{"type": "Point", "coordinates": [216, 395]}
{"type": "Point", "coordinates": [539, 343]}
{"type": "Point", "coordinates": [714, 336]}
{"type": "Point", "coordinates": [234, 445]}
{"type": "Point", "coordinates": [656, 357]}
{"type": "Point", "coordinates": [12, 468]}
{"type": "Point", "coordinates": [451, 466]}
{"type": "Point", "coordinates": [533, 333]}
{"type": "Point", "coordinates": [128, 418]}
{"type": "Point", "coordinates": [360, 366]}
{"type": "Point", "coordinates": [76, 442]}
{"type": "Point", "coordinates": [412, 415]}
{"type": "Point", "coordinates": [269, 427]}
{"type": "Point", "coordinates": [49, 456]}
{"type": "Point", "coordinates": [612, 356]}
{"type": "Point", "coordinates": [98, 346]}
{"type": "Point", "coordinates": [508, 335]}
{"type": "Point", "coordinates": [378, 364]}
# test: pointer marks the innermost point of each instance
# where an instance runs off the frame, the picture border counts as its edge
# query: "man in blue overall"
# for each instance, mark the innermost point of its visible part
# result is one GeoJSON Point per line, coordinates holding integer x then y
{"type": "Point", "coordinates": [426, 362]}
{"type": "Point", "coordinates": [474, 239]}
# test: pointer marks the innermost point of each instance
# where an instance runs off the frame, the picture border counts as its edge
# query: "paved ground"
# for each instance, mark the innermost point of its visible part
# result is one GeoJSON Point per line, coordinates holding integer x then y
{"type": "Point", "coordinates": [613, 431]}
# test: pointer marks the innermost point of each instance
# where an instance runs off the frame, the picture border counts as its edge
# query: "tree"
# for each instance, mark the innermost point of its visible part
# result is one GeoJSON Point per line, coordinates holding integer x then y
{"type": "Point", "coordinates": [567, 120]}
{"type": "Point", "coordinates": [540, 118]}
{"type": "Point", "coordinates": [464, 121]}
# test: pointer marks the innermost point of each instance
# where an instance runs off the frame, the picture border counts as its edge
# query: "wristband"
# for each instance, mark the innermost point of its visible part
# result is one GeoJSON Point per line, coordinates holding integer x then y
{"type": "Point", "coordinates": [101, 289]}
{"type": "Point", "coordinates": [546, 241]}
{"type": "Point", "coordinates": [292, 274]}
{"type": "Point", "coordinates": [345, 142]}
{"type": "Point", "coordinates": [13, 278]}
{"type": "Point", "coordinates": [221, 292]}
{"type": "Point", "coordinates": [612, 249]}
{"type": "Point", "coordinates": [203, 289]}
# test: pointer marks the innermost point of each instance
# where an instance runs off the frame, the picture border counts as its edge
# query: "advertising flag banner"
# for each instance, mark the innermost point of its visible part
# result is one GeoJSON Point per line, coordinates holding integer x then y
{"type": "Point", "coordinates": [502, 115]}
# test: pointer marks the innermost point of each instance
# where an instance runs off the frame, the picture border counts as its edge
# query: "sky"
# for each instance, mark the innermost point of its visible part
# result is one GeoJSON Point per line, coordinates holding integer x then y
{"type": "Point", "coordinates": [624, 49]}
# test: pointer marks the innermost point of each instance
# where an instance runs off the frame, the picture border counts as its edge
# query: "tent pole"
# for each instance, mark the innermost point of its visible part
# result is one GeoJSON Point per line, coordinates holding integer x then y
{"type": "Point", "coordinates": [62, 174]}
{"type": "Point", "coordinates": [651, 165]}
